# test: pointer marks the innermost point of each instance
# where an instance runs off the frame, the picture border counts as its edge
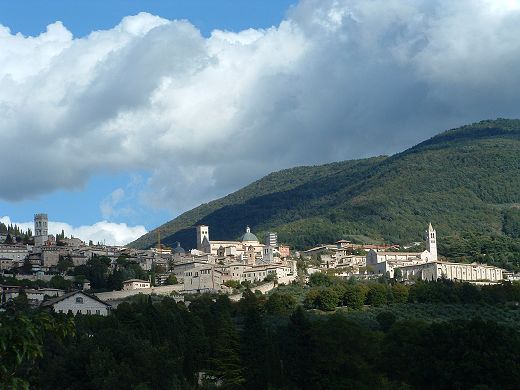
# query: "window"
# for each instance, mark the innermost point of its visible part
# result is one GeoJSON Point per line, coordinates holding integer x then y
{"type": "Point", "coordinates": [98, 312]}
{"type": "Point", "coordinates": [89, 311]}
{"type": "Point", "coordinates": [79, 299]}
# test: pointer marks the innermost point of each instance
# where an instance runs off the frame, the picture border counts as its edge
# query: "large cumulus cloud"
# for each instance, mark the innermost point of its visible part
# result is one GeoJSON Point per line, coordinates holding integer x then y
{"type": "Point", "coordinates": [337, 79]}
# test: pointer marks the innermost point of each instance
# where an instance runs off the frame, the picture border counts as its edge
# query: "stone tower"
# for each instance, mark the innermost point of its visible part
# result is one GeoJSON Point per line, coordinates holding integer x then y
{"type": "Point", "coordinates": [202, 231]}
{"type": "Point", "coordinates": [431, 242]}
{"type": "Point", "coordinates": [41, 231]}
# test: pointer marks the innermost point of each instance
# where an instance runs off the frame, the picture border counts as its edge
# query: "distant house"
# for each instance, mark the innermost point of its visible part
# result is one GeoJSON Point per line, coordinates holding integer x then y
{"type": "Point", "coordinates": [35, 297]}
{"type": "Point", "coordinates": [78, 302]}
{"type": "Point", "coordinates": [135, 284]}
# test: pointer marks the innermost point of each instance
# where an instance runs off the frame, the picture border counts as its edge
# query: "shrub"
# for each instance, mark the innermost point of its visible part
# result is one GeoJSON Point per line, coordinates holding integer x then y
{"type": "Point", "coordinates": [385, 319]}
{"type": "Point", "coordinates": [399, 293]}
{"type": "Point", "coordinates": [280, 303]}
{"type": "Point", "coordinates": [377, 295]}
{"type": "Point", "coordinates": [354, 296]}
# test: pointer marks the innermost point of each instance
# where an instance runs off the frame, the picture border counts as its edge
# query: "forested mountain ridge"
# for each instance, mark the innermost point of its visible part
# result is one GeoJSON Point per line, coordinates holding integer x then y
{"type": "Point", "coordinates": [466, 181]}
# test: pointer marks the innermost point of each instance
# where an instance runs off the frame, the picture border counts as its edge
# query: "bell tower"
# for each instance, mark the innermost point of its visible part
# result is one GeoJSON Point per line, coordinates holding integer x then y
{"type": "Point", "coordinates": [41, 233]}
{"type": "Point", "coordinates": [202, 231]}
{"type": "Point", "coordinates": [431, 242]}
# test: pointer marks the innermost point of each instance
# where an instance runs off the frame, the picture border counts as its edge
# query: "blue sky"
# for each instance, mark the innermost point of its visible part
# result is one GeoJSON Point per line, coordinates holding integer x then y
{"type": "Point", "coordinates": [116, 116]}
{"type": "Point", "coordinates": [83, 16]}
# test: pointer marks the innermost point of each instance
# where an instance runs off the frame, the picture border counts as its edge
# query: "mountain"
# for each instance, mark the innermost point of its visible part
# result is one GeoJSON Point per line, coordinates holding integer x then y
{"type": "Point", "coordinates": [466, 181]}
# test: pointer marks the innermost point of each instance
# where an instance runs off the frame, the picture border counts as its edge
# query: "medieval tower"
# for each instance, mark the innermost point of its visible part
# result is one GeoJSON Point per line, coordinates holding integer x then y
{"type": "Point", "coordinates": [41, 232]}
{"type": "Point", "coordinates": [431, 242]}
{"type": "Point", "coordinates": [202, 231]}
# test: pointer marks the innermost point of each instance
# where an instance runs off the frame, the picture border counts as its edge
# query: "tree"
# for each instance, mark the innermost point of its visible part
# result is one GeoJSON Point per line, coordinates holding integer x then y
{"type": "Point", "coordinates": [254, 346]}
{"type": "Point", "coordinates": [8, 239]}
{"type": "Point", "coordinates": [280, 303]}
{"type": "Point", "coordinates": [234, 284]}
{"type": "Point", "coordinates": [58, 281]}
{"type": "Point", "coordinates": [27, 266]}
{"type": "Point", "coordinates": [377, 294]}
{"type": "Point", "coordinates": [320, 279]}
{"type": "Point", "coordinates": [354, 296]}
{"type": "Point", "coordinates": [299, 350]}
{"type": "Point", "coordinates": [226, 363]}
{"type": "Point", "coordinates": [399, 293]}
{"type": "Point", "coordinates": [172, 279]}
{"type": "Point", "coordinates": [64, 263]}
{"type": "Point", "coordinates": [323, 298]}
{"type": "Point", "coordinates": [386, 319]}
{"type": "Point", "coordinates": [327, 300]}
{"type": "Point", "coordinates": [21, 342]}
{"type": "Point", "coordinates": [271, 278]}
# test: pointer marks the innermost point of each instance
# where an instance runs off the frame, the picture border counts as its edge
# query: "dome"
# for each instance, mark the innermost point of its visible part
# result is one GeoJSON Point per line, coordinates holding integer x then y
{"type": "Point", "coordinates": [248, 236]}
{"type": "Point", "coordinates": [179, 249]}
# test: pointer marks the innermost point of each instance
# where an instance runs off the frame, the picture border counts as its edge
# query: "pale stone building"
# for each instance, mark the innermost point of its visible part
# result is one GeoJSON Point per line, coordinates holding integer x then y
{"type": "Point", "coordinates": [14, 252]}
{"type": "Point", "coordinates": [179, 269]}
{"type": "Point", "coordinates": [7, 263]}
{"type": "Point", "coordinates": [259, 273]}
{"type": "Point", "coordinates": [50, 256]}
{"type": "Point", "coordinates": [134, 284]}
{"type": "Point", "coordinates": [78, 302]}
{"type": "Point", "coordinates": [453, 271]}
{"type": "Point", "coordinates": [202, 279]}
{"type": "Point", "coordinates": [248, 242]}
{"type": "Point", "coordinates": [384, 263]}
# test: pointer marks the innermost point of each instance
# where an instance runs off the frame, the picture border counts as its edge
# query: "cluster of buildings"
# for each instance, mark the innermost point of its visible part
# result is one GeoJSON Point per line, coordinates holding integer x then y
{"type": "Point", "coordinates": [213, 264]}
{"type": "Point", "coordinates": [206, 268]}
{"type": "Point", "coordinates": [408, 266]}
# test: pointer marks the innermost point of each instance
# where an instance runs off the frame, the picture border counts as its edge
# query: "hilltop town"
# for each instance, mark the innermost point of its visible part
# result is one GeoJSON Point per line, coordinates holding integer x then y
{"type": "Point", "coordinates": [50, 270]}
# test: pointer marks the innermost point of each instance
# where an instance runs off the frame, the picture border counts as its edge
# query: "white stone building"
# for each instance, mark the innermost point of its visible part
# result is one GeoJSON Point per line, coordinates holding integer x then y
{"type": "Point", "coordinates": [248, 243]}
{"type": "Point", "coordinates": [78, 302]}
{"type": "Point", "coordinates": [453, 271]}
{"type": "Point", "coordinates": [202, 279]}
{"type": "Point", "coordinates": [179, 269]}
{"type": "Point", "coordinates": [14, 252]}
{"type": "Point", "coordinates": [135, 284]}
{"type": "Point", "coordinates": [259, 273]}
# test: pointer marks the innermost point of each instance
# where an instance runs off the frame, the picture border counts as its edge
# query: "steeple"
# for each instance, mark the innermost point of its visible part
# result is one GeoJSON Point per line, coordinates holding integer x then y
{"type": "Point", "coordinates": [431, 242]}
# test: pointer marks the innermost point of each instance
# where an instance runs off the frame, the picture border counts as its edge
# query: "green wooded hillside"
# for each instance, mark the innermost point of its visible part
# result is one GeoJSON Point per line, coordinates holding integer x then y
{"type": "Point", "coordinates": [466, 181]}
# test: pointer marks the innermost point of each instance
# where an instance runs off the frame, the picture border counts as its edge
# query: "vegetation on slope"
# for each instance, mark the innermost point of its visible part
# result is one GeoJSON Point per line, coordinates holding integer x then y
{"type": "Point", "coordinates": [465, 181]}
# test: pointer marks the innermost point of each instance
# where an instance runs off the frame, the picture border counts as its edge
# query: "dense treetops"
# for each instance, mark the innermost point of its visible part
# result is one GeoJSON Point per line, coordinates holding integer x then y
{"type": "Point", "coordinates": [465, 181]}
{"type": "Point", "coordinates": [267, 342]}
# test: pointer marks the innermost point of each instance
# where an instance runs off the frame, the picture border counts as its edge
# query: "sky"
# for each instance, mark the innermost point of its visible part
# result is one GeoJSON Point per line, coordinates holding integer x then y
{"type": "Point", "coordinates": [117, 116]}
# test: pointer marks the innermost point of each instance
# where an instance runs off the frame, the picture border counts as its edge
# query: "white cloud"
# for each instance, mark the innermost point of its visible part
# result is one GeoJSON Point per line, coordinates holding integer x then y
{"type": "Point", "coordinates": [337, 79]}
{"type": "Point", "coordinates": [109, 204]}
{"type": "Point", "coordinates": [103, 231]}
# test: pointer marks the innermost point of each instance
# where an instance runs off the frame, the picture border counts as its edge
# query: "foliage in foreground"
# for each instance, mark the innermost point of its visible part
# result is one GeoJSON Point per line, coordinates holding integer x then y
{"type": "Point", "coordinates": [269, 343]}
